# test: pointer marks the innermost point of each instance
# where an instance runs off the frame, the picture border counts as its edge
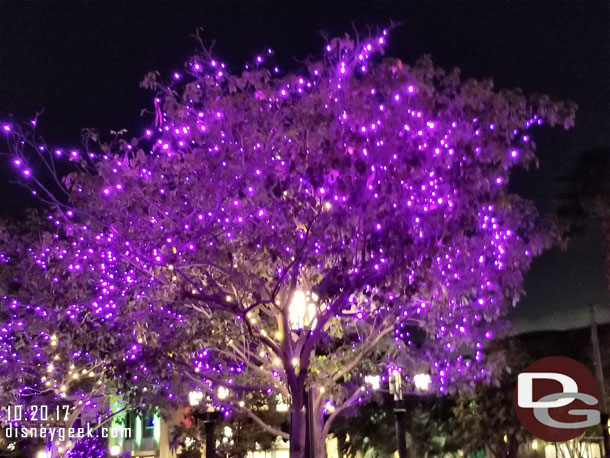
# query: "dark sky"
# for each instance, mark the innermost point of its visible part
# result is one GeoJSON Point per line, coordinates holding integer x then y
{"type": "Point", "coordinates": [82, 61]}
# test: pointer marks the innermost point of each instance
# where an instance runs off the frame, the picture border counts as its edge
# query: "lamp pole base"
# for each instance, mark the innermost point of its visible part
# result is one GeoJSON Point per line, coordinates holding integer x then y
{"type": "Point", "coordinates": [400, 412]}
{"type": "Point", "coordinates": [209, 422]}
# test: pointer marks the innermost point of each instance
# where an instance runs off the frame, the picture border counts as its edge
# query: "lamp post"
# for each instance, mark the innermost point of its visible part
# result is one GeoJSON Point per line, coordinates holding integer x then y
{"type": "Point", "coordinates": [400, 413]}
{"type": "Point", "coordinates": [209, 417]}
{"type": "Point", "coordinates": [422, 384]}
{"type": "Point", "coordinates": [302, 312]}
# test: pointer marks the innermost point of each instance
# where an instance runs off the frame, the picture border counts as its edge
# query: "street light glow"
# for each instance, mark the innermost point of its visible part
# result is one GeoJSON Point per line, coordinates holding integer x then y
{"type": "Point", "coordinates": [422, 382]}
{"type": "Point", "coordinates": [297, 309]}
{"type": "Point", "coordinates": [282, 405]}
{"type": "Point", "coordinates": [373, 380]}
{"type": "Point", "coordinates": [302, 309]}
{"type": "Point", "coordinates": [222, 393]}
{"type": "Point", "coordinates": [195, 398]}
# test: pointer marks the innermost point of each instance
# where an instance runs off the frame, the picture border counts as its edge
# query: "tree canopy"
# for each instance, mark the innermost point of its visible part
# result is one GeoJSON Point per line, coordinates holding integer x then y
{"type": "Point", "coordinates": [275, 233]}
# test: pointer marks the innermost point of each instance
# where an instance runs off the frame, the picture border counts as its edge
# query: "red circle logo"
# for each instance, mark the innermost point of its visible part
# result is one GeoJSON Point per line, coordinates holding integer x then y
{"type": "Point", "coordinates": [557, 399]}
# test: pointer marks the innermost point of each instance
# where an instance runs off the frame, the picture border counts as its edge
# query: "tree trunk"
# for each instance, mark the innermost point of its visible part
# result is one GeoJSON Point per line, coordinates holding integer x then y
{"type": "Point", "coordinates": [298, 422]}
{"type": "Point", "coordinates": [300, 419]}
{"type": "Point", "coordinates": [320, 451]}
{"type": "Point", "coordinates": [319, 437]}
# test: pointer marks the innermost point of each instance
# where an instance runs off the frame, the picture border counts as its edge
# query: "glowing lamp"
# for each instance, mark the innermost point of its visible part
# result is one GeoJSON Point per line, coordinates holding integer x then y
{"type": "Point", "coordinates": [373, 380]}
{"type": "Point", "coordinates": [222, 393]}
{"type": "Point", "coordinates": [302, 309]}
{"type": "Point", "coordinates": [422, 382]}
{"type": "Point", "coordinates": [195, 398]}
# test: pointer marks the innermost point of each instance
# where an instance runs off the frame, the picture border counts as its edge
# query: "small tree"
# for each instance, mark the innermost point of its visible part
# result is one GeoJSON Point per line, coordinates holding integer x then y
{"type": "Point", "coordinates": [368, 431]}
{"type": "Point", "coordinates": [485, 417]}
{"type": "Point", "coordinates": [371, 430]}
{"type": "Point", "coordinates": [56, 365]}
{"type": "Point", "coordinates": [88, 447]}
{"type": "Point", "coordinates": [52, 377]}
{"type": "Point", "coordinates": [289, 235]}
{"type": "Point", "coordinates": [587, 197]}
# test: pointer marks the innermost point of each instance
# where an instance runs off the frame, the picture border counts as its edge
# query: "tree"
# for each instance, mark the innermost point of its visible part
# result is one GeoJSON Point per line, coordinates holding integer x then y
{"type": "Point", "coordinates": [587, 199]}
{"type": "Point", "coordinates": [368, 431]}
{"type": "Point", "coordinates": [53, 360]}
{"type": "Point", "coordinates": [245, 435]}
{"type": "Point", "coordinates": [484, 418]}
{"type": "Point", "coordinates": [292, 234]}
{"type": "Point", "coordinates": [51, 378]}
{"type": "Point", "coordinates": [88, 447]}
{"type": "Point", "coordinates": [371, 429]}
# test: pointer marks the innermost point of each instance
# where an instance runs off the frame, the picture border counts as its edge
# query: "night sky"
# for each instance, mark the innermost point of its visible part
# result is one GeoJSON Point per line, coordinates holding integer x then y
{"type": "Point", "coordinates": [82, 61]}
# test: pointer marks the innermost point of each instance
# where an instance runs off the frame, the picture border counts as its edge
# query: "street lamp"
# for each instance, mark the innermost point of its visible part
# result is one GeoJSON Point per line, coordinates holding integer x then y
{"type": "Point", "coordinates": [400, 412]}
{"type": "Point", "coordinates": [374, 381]}
{"type": "Point", "coordinates": [222, 393]}
{"type": "Point", "coordinates": [422, 383]}
{"type": "Point", "coordinates": [302, 309]}
{"type": "Point", "coordinates": [195, 398]}
{"type": "Point", "coordinates": [210, 416]}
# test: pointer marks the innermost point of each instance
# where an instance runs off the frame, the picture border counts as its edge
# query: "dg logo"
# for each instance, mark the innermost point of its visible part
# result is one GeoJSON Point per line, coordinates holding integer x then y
{"type": "Point", "coordinates": [557, 399]}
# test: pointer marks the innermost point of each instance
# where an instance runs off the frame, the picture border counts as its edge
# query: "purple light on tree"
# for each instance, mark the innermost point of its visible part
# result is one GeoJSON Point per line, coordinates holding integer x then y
{"type": "Point", "coordinates": [88, 447]}
{"type": "Point", "coordinates": [302, 231]}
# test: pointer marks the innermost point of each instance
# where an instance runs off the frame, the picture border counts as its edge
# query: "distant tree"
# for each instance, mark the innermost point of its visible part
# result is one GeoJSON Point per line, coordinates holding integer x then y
{"type": "Point", "coordinates": [485, 418]}
{"type": "Point", "coordinates": [429, 428]}
{"type": "Point", "coordinates": [587, 201]}
{"type": "Point", "coordinates": [371, 429]}
{"type": "Point", "coordinates": [246, 435]}
{"type": "Point", "coordinates": [587, 197]}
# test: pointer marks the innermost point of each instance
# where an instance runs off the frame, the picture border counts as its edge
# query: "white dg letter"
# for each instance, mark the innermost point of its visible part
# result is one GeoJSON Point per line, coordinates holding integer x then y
{"type": "Point", "coordinates": [525, 383]}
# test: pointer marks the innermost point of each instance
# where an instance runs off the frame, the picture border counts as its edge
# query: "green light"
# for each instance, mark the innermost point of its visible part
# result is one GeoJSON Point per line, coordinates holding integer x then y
{"type": "Point", "coordinates": [117, 425]}
{"type": "Point", "coordinates": [118, 422]}
{"type": "Point", "coordinates": [138, 438]}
